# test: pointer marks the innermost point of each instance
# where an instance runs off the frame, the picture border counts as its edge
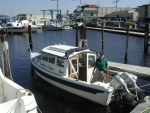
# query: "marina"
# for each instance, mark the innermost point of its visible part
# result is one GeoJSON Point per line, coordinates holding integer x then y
{"type": "Point", "coordinates": [68, 37]}
{"type": "Point", "coordinates": [63, 57]}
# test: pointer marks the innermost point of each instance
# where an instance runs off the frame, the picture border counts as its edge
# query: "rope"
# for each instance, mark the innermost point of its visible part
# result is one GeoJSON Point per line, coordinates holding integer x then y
{"type": "Point", "coordinates": [10, 110]}
{"type": "Point", "coordinates": [22, 89]}
{"type": "Point", "coordinates": [144, 85]}
{"type": "Point", "coordinates": [145, 110]}
{"type": "Point", "coordinates": [39, 109]}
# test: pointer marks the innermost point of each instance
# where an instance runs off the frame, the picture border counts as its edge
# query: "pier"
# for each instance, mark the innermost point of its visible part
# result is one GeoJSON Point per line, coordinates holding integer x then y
{"type": "Point", "coordinates": [119, 31]}
{"type": "Point", "coordinates": [140, 71]}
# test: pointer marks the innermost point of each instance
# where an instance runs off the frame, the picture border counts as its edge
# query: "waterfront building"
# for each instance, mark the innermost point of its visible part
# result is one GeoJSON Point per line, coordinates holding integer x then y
{"type": "Point", "coordinates": [144, 11]}
{"type": "Point", "coordinates": [4, 16]}
{"type": "Point", "coordinates": [33, 17]}
{"type": "Point", "coordinates": [89, 13]}
{"type": "Point", "coordinates": [128, 14]}
{"type": "Point", "coordinates": [103, 11]}
{"type": "Point", "coordinates": [86, 12]}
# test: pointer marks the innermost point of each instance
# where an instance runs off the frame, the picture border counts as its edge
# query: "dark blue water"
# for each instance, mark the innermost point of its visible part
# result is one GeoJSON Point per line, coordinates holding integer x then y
{"type": "Point", "coordinates": [51, 99]}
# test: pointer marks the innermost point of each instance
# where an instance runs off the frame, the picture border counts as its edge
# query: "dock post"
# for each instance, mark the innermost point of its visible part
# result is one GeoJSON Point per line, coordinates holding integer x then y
{"type": "Point", "coordinates": [5, 56]}
{"type": "Point", "coordinates": [135, 26]}
{"type": "Point", "coordinates": [102, 32]}
{"type": "Point", "coordinates": [76, 35]}
{"type": "Point", "coordinates": [126, 45]}
{"type": "Point", "coordinates": [146, 39]}
{"type": "Point", "coordinates": [119, 25]}
{"type": "Point", "coordinates": [83, 40]}
{"type": "Point", "coordinates": [30, 37]}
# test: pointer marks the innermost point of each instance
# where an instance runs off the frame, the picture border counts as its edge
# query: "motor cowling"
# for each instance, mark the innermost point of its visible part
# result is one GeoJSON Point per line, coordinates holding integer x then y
{"type": "Point", "coordinates": [130, 81]}
{"type": "Point", "coordinates": [122, 96]}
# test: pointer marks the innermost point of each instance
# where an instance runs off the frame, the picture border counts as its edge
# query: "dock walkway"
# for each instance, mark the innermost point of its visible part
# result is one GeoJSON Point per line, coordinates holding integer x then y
{"type": "Point", "coordinates": [120, 31]}
{"type": "Point", "coordinates": [143, 72]}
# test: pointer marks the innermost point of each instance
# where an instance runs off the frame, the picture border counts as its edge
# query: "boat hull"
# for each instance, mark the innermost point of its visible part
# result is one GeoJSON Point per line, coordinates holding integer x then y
{"type": "Point", "coordinates": [79, 88]}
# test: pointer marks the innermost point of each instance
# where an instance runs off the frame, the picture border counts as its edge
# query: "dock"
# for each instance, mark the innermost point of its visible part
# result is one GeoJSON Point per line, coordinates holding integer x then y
{"type": "Point", "coordinates": [142, 72]}
{"type": "Point", "coordinates": [119, 31]}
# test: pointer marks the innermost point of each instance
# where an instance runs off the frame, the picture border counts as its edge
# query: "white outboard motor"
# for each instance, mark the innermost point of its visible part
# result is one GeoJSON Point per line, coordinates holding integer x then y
{"type": "Point", "coordinates": [130, 80]}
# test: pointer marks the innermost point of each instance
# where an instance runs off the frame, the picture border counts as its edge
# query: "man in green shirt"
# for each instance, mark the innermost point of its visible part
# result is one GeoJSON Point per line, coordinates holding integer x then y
{"type": "Point", "coordinates": [101, 66]}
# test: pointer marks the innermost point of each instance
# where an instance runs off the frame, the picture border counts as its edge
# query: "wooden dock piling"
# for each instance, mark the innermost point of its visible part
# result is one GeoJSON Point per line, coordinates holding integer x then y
{"type": "Point", "coordinates": [146, 43]}
{"type": "Point", "coordinates": [76, 35]}
{"type": "Point", "coordinates": [102, 32]}
{"type": "Point", "coordinates": [126, 45]}
{"type": "Point", "coordinates": [5, 56]}
{"type": "Point", "coordinates": [30, 37]}
{"type": "Point", "coordinates": [83, 40]}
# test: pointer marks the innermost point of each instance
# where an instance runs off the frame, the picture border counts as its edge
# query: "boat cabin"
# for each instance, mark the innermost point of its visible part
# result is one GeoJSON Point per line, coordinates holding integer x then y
{"type": "Point", "coordinates": [64, 60]}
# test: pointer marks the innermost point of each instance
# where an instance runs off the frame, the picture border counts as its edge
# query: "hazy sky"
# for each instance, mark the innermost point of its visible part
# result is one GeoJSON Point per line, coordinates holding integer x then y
{"type": "Point", "coordinates": [14, 7]}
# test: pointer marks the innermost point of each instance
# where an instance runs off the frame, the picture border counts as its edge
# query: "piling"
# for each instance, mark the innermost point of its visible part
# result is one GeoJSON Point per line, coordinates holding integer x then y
{"type": "Point", "coordinates": [5, 56]}
{"type": "Point", "coordinates": [126, 45]}
{"type": "Point", "coordinates": [76, 35]}
{"type": "Point", "coordinates": [102, 32]}
{"type": "Point", "coordinates": [146, 43]}
{"type": "Point", "coordinates": [30, 37]}
{"type": "Point", "coordinates": [83, 40]}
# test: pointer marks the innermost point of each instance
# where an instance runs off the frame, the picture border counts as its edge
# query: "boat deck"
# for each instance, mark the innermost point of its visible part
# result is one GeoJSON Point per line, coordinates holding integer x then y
{"type": "Point", "coordinates": [143, 72]}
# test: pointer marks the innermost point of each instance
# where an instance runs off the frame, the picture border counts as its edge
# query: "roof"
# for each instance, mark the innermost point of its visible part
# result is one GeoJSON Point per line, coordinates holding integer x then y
{"type": "Point", "coordinates": [86, 10]}
{"type": "Point", "coordinates": [58, 50]}
{"type": "Point", "coordinates": [84, 17]}
{"type": "Point", "coordinates": [64, 50]}
{"type": "Point", "coordinates": [90, 6]}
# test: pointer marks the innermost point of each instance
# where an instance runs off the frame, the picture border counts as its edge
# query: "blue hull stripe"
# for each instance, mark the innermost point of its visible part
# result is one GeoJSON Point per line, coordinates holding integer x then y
{"type": "Point", "coordinates": [69, 84]}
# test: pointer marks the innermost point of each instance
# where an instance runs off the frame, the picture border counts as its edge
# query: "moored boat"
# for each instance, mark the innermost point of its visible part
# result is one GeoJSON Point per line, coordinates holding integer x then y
{"type": "Point", "coordinates": [70, 68]}
{"type": "Point", "coordinates": [14, 98]}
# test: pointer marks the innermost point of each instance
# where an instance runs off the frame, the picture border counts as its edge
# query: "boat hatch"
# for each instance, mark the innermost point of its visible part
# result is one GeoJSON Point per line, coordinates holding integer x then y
{"type": "Point", "coordinates": [83, 65]}
{"type": "Point", "coordinates": [56, 49]}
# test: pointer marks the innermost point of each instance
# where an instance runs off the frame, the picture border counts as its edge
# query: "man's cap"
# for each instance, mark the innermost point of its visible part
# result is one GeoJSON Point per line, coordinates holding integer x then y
{"type": "Point", "coordinates": [101, 53]}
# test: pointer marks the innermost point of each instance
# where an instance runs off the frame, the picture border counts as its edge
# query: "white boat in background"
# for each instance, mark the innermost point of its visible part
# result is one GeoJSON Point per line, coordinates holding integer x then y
{"type": "Point", "coordinates": [53, 26]}
{"type": "Point", "coordinates": [67, 27]}
{"type": "Point", "coordinates": [41, 23]}
{"type": "Point", "coordinates": [14, 27]}
{"type": "Point", "coordinates": [26, 23]}
{"type": "Point", "coordinates": [70, 68]}
{"type": "Point", "coordinates": [14, 98]}
{"type": "Point", "coordinates": [1, 27]}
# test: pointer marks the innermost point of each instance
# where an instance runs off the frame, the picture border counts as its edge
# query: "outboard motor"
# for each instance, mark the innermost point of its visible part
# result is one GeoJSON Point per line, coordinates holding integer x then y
{"type": "Point", "coordinates": [122, 96]}
{"type": "Point", "coordinates": [130, 80]}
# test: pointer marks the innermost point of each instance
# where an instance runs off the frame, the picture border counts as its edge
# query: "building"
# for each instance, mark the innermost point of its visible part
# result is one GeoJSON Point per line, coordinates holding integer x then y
{"type": "Point", "coordinates": [33, 17]}
{"type": "Point", "coordinates": [4, 16]}
{"type": "Point", "coordinates": [144, 11]}
{"type": "Point", "coordinates": [86, 12]}
{"type": "Point", "coordinates": [103, 11]}
{"type": "Point", "coordinates": [128, 14]}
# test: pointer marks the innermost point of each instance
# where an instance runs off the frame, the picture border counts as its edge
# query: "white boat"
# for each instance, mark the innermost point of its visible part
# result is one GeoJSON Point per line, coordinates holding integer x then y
{"type": "Point", "coordinates": [14, 98]}
{"type": "Point", "coordinates": [1, 27]}
{"type": "Point", "coordinates": [53, 26]}
{"type": "Point", "coordinates": [70, 68]}
{"type": "Point", "coordinates": [26, 23]}
{"type": "Point", "coordinates": [67, 27]}
{"type": "Point", "coordinates": [14, 27]}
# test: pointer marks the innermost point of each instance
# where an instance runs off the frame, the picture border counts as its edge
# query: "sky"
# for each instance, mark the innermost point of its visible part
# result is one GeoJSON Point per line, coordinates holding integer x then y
{"type": "Point", "coordinates": [14, 7]}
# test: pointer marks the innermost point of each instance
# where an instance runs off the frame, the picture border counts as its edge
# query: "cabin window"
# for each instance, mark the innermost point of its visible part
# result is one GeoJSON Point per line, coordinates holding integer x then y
{"type": "Point", "coordinates": [45, 57]}
{"type": "Point", "coordinates": [60, 62]}
{"type": "Point", "coordinates": [74, 63]}
{"type": "Point", "coordinates": [52, 59]}
{"type": "Point", "coordinates": [91, 61]}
